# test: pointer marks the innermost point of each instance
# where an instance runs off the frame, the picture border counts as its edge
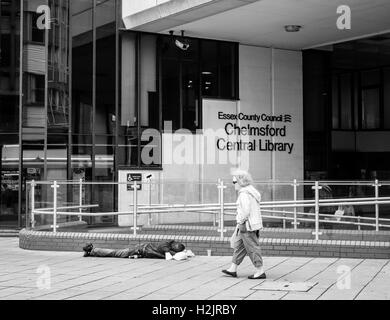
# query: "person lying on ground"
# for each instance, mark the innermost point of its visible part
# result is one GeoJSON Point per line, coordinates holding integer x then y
{"type": "Point", "coordinates": [145, 250]}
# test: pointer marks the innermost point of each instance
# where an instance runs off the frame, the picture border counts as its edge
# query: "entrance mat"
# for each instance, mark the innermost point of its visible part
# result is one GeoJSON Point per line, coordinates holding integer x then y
{"type": "Point", "coordinates": [285, 286]}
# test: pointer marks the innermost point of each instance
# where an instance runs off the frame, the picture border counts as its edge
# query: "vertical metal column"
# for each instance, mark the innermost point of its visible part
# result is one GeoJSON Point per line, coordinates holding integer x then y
{"type": "Point", "coordinates": [295, 185]}
{"type": "Point", "coordinates": [150, 199]}
{"type": "Point", "coordinates": [135, 208]}
{"type": "Point", "coordinates": [32, 204]}
{"type": "Point", "coordinates": [21, 97]}
{"type": "Point", "coordinates": [317, 209]}
{"type": "Point", "coordinates": [376, 185]}
{"type": "Point", "coordinates": [80, 198]}
{"type": "Point", "coordinates": [55, 186]}
{"type": "Point", "coordinates": [215, 217]}
{"type": "Point", "coordinates": [221, 229]}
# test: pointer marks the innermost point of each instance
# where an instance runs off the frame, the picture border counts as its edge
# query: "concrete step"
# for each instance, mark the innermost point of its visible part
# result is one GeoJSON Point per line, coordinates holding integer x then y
{"type": "Point", "coordinates": [9, 233]}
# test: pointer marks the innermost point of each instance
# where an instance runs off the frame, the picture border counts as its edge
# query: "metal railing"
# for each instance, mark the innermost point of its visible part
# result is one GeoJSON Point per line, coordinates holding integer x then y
{"type": "Point", "coordinates": [273, 210]}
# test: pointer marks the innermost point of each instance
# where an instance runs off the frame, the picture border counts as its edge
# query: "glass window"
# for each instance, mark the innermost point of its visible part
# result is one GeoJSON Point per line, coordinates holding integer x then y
{"type": "Point", "coordinates": [35, 89]}
{"type": "Point", "coordinates": [82, 89]}
{"type": "Point", "coordinates": [227, 70]}
{"type": "Point", "coordinates": [346, 101]}
{"type": "Point", "coordinates": [190, 95]}
{"type": "Point", "coordinates": [147, 79]}
{"type": "Point", "coordinates": [82, 16]}
{"type": "Point", "coordinates": [105, 12]}
{"type": "Point", "coordinates": [370, 78]}
{"type": "Point", "coordinates": [37, 35]}
{"type": "Point", "coordinates": [105, 119]}
{"type": "Point", "coordinates": [335, 102]}
{"type": "Point", "coordinates": [207, 68]}
{"type": "Point", "coordinates": [9, 109]}
{"type": "Point", "coordinates": [171, 93]}
{"type": "Point", "coordinates": [386, 98]}
{"type": "Point", "coordinates": [9, 177]}
{"type": "Point", "coordinates": [5, 8]}
{"type": "Point", "coordinates": [370, 108]}
{"type": "Point", "coordinates": [5, 50]}
{"type": "Point", "coordinates": [209, 58]}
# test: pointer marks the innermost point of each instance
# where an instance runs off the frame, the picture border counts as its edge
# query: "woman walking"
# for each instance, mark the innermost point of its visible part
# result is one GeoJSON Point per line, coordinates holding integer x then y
{"type": "Point", "coordinates": [245, 239]}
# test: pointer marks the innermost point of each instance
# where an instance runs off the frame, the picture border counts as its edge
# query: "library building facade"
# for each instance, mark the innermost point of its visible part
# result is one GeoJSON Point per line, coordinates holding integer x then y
{"type": "Point", "coordinates": [177, 90]}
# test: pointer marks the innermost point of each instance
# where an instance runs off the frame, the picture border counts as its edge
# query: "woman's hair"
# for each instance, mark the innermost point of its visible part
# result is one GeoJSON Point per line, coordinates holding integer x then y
{"type": "Point", "coordinates": [243, 177]}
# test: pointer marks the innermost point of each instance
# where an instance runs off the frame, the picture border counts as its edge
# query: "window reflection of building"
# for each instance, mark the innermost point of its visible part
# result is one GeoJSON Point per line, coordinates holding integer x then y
{"type": "Point", "coordinates": [9, 110]}
{"type": "Point", "coordinates": [208, 69]}
{"type": "Point", "coordinates": [346, 107]}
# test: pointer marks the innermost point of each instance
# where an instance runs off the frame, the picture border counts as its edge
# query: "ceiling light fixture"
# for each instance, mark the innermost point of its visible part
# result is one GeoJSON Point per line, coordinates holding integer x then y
{"type": "Point", "coordinates": [292, 28]}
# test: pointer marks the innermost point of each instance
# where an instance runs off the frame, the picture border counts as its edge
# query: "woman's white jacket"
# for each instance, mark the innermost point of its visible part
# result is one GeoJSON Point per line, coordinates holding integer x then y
{"type": "Point", "coordinates": [248, 209]}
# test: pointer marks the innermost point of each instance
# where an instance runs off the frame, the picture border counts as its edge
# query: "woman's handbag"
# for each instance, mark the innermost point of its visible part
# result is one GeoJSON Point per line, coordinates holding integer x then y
{"type": "Point", "coordinates": [234, 238]}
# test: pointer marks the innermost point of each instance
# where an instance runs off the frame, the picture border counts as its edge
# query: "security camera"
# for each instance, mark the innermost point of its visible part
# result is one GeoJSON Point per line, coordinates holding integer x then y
{"type": "Point", "coordinates": [181, 42]}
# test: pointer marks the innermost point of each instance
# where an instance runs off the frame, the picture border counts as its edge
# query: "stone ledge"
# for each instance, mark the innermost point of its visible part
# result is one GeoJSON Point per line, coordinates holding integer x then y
{"type": "Point", "coordinates": [74, 241]}
{"type": "Point", "coordinates": [289, 233]}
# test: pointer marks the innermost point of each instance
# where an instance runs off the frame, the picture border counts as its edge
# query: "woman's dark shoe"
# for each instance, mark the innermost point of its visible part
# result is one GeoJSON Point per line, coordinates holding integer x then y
{"type": "Point", "coordinates": [262, 276]}
{"type": "Point", "coordinates": [87, 249]}
{"type": "Point", "coordinates": [233, 274]}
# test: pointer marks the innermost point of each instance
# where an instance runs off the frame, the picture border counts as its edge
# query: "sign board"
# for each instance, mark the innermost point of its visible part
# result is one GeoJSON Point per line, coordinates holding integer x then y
{"type": "Point", "coordinates": [131, 177]}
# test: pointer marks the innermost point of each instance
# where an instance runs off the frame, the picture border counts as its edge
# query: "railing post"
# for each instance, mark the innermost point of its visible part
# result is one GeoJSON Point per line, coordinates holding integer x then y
{"type": "Point", "coordinates": [317, 188]}
{"type": "Point", "coordinates": [376, 186]}
{"type": "Point", "coordinates": [215, 217]}
{"type": "Point", "coordinates": [33, 204]}
{"type": "Point", "coordinates": [80, 197]}
{"type": "Point", "coordinates": [358, 219]}
{"type": "Point", "coordinates": [55, 186]}
{"type": "Point", "coordinates": [221, 229]}
{"type": "Point", "coordinates": [135, 208]}
{"type": "Point", "coordinates": [284, 220]}
{"type": "Point", "coordinates": [150, 200]}
{"type": "Point", "coordinates": [295, 223]}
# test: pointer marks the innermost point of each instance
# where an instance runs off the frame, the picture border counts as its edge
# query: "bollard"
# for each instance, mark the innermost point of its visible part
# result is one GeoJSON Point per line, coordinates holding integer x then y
{"type": "Point", "coordinates": [221, 203]}
{"type": "Point", "coordinates": [32, 204]}
{"type": "Point", "coordinates": [376, 185]}
{"type": "Point", "coordinates": [55, 186]}
{"type": "Point", "coordinates": [317, 188]}
{"type": "Point", "coordinates": [80, 198]}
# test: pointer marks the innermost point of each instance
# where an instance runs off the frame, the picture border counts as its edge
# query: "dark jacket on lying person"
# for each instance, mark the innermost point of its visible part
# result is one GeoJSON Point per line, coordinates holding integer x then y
{"type": "Point", "coordinates": [147, 250]}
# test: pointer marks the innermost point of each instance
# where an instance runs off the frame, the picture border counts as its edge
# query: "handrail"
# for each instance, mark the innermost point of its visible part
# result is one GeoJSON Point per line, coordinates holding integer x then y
{"type": "Point", "coordinates": [269, 209]}
{"type": "Point", "coordinates": [256, 182]}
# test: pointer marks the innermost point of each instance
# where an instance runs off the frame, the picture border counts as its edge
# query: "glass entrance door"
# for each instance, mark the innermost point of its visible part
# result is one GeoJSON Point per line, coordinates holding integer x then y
{"type": "Point", "coordinates": [9, 182]}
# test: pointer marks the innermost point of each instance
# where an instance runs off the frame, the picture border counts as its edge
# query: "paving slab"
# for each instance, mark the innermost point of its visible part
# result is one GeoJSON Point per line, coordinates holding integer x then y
{"type": "Point", "coordinates": [73, 277]}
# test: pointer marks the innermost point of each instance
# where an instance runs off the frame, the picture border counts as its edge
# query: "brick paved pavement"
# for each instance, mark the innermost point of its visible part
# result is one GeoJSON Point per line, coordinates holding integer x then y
{"type": "Point", "coordinates": [75, 277]}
